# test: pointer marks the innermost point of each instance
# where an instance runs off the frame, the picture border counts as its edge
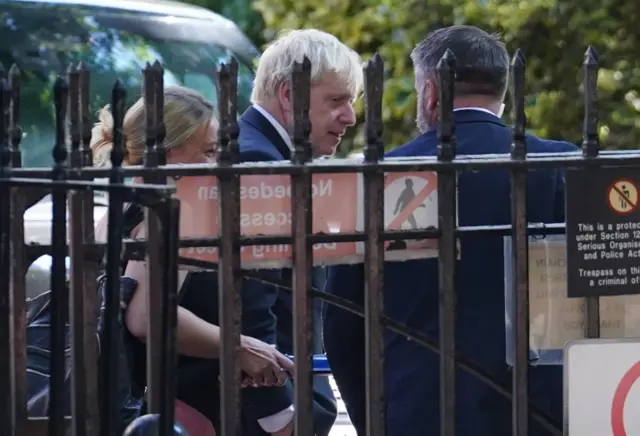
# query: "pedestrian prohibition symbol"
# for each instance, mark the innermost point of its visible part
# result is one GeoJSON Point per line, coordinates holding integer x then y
{"type": "Point", "coordinates": [405, 196]}
{"type": "Point", "coordinates": [623, 196]}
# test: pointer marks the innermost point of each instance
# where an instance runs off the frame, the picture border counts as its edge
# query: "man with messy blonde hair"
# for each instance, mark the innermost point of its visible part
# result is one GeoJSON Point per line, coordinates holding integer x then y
{"type": "Point", "coordinates": [336, 81]}
{"type": "Point", "coordinates": [265, 135]}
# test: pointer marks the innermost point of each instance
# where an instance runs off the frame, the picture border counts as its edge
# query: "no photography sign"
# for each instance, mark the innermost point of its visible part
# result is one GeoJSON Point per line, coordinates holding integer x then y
{"type": "Point", "coordinates": [602, 387]}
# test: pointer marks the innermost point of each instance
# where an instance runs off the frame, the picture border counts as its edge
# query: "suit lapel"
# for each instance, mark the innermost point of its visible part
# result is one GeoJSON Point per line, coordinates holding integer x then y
{"type": "Point", "coordinates": [253, 117]}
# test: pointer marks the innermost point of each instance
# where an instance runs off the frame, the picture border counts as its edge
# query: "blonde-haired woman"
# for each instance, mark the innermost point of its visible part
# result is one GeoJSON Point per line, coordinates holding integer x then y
{"type": "Point", "coordinates": [191, 129]}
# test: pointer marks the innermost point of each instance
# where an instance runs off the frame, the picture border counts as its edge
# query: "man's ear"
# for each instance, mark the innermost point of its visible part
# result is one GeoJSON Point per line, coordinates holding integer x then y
{"type": "Point", "coordinates": [431, 99]}
{"type": "Point", "coordinates": [284, 96]}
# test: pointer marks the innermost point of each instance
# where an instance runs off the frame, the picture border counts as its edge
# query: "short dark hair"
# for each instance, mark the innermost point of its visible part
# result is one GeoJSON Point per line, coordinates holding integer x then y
{"type": "Point", "coordinates": [482, 61]}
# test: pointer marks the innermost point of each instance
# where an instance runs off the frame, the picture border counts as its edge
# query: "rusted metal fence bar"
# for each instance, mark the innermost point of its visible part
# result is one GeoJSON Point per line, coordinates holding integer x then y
{"type": "Point", "coordinates": [447, 199]}
{"type": "Point", "coordinates": [619, 158]}
{"type": "Point", "coordinates": [153, 82]}
{"type": "Point", "coordinates": [160, 274]}
{"type": "Point", "coordinates": [171, 235]}
{"type": "Point", "coordinates": [135, 249]}
{"type": "Point", "coordinates": [374, 248]}
{"type": "Point", "coordinates": [59, 295]}
{"type": "Point", "coordinates": [84, 82]}
{"type": "Point", "coordinates": [160, 247]}
{"type": "Point", "coordinates": [229, 279]}
{"type": "Point", "coordinates": [82, 286]}
{"type": "Point", "coordinates": [79, 393]}
{"type": "Point", "coordinates": [301, 227]}
{"type": "Point", "coordinates": [520, 242]}
{"type": "Point", "coordinates": [15, 132]}
{"type": "Point", "coordinates": [115, 223]}
{"type": "Point", "coordinates": [590, 150]}
{"type": "Point", "coordinates": [19, 265]}
{"type": "Point", "coordinates": [6, 344]}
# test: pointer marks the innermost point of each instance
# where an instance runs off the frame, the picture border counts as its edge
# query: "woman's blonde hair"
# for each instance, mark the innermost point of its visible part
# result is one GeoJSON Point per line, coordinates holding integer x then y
{"type": "Point", "coordinates": [185, 111]}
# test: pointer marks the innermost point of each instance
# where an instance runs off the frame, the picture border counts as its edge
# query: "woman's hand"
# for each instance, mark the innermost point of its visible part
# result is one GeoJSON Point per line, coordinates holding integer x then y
{"type": "Point", "coordinates": [263, 364]}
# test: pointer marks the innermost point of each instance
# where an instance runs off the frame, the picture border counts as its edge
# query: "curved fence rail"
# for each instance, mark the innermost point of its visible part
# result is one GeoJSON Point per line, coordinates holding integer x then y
{"type": "Point", "coordinates": [167, 248]}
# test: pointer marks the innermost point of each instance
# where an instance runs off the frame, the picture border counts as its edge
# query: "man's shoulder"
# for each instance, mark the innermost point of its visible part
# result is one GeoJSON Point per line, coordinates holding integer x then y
{"type": "Point", "coordinates": [536, 144]}
{"type": "Point", "coordinates": [426, 145]}
{"type": "Point", "coordinates": [248, 133]}
{"type": "Point", "coordinates": [256, 151]}
{"type": "Point", "coordinates": [254, 145]}
{"type": "Point", "coordinates": [423, 145]}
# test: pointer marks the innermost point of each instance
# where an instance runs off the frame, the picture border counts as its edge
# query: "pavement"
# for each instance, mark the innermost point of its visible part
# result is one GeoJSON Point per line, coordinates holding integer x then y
{"type": "Point", "coordinates": [343, 426]}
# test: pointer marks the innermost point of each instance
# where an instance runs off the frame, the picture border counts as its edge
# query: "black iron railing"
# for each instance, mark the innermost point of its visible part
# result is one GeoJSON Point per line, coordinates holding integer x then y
{"type": "Point", "coordinates": [70, 183]}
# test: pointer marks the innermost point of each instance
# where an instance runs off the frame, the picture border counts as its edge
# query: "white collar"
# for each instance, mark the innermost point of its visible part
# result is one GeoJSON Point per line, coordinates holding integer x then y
{"type": "Point", "coordinates": [281, 130]}
{"type": "Point", "coordinates": [287, 139]}
{"type": "Point", "coordinates": [481, 109]}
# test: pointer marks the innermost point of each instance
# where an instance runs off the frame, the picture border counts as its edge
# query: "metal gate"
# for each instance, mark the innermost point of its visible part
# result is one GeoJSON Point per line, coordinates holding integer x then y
{"type": "Point", "coordinates": [71, 184]}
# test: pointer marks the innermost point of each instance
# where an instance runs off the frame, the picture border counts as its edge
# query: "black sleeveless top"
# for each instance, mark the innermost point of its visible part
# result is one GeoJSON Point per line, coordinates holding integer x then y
{"type": "Point", "coordinates": [197, 379]}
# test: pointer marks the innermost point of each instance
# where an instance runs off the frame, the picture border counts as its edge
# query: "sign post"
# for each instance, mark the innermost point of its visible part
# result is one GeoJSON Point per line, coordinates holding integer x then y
{"type": "Point", "coordinates": [602, 387]}
{"type": "Point", "coordinates": [603, 232]}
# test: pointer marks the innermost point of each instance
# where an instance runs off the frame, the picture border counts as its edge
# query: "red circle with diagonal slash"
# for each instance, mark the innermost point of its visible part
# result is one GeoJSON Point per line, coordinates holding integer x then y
{"type": "Point", "coordinates": [620, 398]}
{"type": "Point", "coordinates": [614, 188]}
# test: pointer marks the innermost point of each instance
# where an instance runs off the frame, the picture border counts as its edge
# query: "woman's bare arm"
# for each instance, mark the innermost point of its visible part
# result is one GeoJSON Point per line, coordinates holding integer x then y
{"type": "Point", "coordinates": [195, 337]}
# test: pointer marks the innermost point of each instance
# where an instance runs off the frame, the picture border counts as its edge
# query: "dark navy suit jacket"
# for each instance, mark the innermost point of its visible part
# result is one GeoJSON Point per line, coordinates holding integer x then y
{"type": "Point", "coordinates": [411, 297]}
{"type": "Point", "coordinates": [260, 141]}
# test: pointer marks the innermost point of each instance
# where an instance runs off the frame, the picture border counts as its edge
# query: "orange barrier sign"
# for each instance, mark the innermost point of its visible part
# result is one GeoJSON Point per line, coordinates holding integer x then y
{"type": "Point", "coordinates": [338, 207]}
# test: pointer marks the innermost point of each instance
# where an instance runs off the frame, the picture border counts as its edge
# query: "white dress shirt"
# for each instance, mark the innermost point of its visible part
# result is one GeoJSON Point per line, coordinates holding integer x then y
{"type": "Point", "coordinates": [481, 109]}
{"type": "Point", "coordinates": [281, 130]}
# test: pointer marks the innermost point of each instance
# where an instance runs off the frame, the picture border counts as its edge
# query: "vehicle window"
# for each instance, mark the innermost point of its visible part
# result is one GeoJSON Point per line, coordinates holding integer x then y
{"type": "Point", "coordinates": [202, 82]}
{"type": "Point", "coordinates": [44, 40]}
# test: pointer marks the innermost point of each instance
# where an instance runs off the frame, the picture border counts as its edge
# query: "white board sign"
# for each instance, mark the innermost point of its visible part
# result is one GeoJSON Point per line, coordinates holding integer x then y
{"type": "Point", "coordinates": [602, 387]}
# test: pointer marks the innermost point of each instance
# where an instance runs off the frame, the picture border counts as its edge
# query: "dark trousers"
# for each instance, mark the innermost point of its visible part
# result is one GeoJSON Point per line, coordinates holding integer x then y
{"type": "Point", "coordinates": [325, 410]}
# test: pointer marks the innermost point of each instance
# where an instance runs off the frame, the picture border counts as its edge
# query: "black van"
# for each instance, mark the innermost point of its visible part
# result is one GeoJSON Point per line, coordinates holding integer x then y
{"type": "Point", "coordinates": [115, 38]}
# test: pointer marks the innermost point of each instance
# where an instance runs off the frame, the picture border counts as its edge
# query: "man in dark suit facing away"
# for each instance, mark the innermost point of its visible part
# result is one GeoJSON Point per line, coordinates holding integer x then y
{"type": "Point", "coordinates": [265, 135]}
{"type": "Point", "coordinates": [411, 287]}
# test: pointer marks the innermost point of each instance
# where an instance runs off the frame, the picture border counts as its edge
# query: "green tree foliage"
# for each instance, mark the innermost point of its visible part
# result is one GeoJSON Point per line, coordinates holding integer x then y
{"type": "Point", "coordinates": [46, 40]}
{"type": "Point", "coordinates": [553, 35]}
{"type": "Point", "coordinates": [241, 12]}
